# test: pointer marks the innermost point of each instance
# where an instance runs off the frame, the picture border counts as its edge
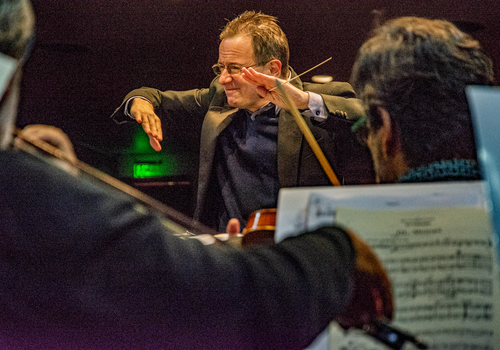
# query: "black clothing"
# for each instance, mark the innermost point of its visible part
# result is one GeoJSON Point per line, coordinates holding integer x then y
{"type": "Point", "coordinates": [84, 267]}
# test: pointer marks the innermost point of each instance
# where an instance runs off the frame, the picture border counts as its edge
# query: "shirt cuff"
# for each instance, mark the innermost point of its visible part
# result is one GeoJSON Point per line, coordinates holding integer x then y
{"type": "Point", "coordinates": [316, 107]}
{"type": "Point", "coordinates": [127, 109]}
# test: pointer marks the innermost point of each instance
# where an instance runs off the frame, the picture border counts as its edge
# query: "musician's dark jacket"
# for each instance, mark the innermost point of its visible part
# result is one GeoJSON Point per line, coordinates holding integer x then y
{"type": "Point", "coordinates": [204, 113]}
{"type": "Point", "coordinates": [84, 267]}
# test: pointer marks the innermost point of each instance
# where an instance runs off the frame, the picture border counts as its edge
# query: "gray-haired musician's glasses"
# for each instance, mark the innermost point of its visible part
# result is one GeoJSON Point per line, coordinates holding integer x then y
{"type": "Point", "coordinates": [232, 68]}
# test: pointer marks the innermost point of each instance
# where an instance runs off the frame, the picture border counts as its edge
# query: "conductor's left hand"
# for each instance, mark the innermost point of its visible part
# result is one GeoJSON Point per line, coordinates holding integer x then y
{"type": "Point", "coordinates": [265, 83]}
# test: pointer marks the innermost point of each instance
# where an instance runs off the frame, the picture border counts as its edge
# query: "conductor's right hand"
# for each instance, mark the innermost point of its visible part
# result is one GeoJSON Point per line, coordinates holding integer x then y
{"type": "Point", "coordinates": [143, 111]}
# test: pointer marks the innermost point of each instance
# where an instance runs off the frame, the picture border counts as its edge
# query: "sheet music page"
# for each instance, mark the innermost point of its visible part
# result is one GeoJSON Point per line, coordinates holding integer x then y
{"type": "Point", "coordinates": [306, 208]}
{"type": "Point", "coordinates": [443, 266]}
{"type": "Point", "coordinates": [295, 212]}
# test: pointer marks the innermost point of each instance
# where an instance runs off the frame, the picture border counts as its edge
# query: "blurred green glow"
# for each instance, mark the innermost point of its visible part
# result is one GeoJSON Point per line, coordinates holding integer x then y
{"type": "Point", "coordinates": [148, 170]}
{"type": "Point", "coordinates": [141, 161]}
{"type": "Point", "coordinates": [140, 142]}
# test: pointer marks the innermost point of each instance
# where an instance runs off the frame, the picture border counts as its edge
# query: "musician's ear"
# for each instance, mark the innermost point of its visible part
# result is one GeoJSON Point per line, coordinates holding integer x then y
{"type": "Point", "coordinates": [389, 131]}
{"type": "Point", "coordinates": [385, 147]}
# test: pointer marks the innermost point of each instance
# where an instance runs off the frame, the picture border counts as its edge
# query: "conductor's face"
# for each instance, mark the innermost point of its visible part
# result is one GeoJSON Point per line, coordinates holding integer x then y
{"type": "Point", "coordinates": [236, 53]}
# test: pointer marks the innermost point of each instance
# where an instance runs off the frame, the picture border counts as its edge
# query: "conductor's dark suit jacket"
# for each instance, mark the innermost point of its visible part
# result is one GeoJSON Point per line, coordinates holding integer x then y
{"type": "Point", "coordinates": [205, 112]}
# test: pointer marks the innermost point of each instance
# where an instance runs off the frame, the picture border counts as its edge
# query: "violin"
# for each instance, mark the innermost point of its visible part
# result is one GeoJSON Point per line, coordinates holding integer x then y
{"type": "Point", "coordinates": [260, 228]}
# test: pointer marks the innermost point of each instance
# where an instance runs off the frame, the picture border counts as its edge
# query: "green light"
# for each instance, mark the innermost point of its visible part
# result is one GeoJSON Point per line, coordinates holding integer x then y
{"type": "Point", "coordinates": [144, 166]}
{"type": "Point", "coordinates": [141, 142]}
{"type": "Point", "coordinates": [141, 161]}
{"type": "Point", "coordinates": [148, 170]}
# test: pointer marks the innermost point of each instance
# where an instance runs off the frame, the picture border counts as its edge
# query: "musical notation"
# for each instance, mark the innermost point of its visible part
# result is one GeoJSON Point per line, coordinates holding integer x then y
{"type": "Point", "coordinates": [458, 331]}
{"type": "Point", "coordinates": [459, 345]}
{"type": "Point", "coordinates": [446, 311]}
{"type": "Point", "coordinates": [395, 244]}
{"type": "Point", "coordinates": [440, 262]}
{"type": "Point", "coordinates": [449, 287]}
{"type": "Point", "coordinates": [441, 259]}
{"type": "Point", "coordinates": [444, 277]}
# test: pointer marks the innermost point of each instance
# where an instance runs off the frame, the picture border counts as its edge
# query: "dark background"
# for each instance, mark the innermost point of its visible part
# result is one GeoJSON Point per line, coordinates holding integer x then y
{"type": "Point", "coordinates": [89, 54]}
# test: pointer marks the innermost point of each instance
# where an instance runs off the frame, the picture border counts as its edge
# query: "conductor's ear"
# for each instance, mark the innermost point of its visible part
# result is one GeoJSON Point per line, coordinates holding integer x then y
{"type": "Point", "coordinates": [275, 68]}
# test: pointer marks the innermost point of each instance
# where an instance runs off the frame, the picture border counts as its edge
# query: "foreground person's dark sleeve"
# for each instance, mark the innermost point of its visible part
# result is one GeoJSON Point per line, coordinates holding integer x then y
{"type": "Point", "coordinates": [82, 268]}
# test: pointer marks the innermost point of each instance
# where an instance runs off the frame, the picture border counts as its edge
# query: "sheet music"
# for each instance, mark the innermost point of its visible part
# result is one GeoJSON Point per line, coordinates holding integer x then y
{"type": "Point", "coordinates": [446, 274]}
{"type": "Point", "coordinates": [293, 204]}
{"type": "Point", "coordinates": [442, 264]}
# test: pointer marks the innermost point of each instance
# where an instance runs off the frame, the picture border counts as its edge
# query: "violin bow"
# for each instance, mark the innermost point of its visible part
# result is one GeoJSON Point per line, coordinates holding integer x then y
{"type": "Point", "coordinates": [308, 136]}
{"type": "Point", "coordinates": [177, 221]}
{"type": "Point", "coordinates": [307, 71]}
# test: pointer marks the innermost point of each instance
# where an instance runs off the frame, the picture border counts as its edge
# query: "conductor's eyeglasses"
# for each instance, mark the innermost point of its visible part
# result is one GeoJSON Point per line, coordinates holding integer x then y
{"type": "Point", "coordinates": [232, 68]}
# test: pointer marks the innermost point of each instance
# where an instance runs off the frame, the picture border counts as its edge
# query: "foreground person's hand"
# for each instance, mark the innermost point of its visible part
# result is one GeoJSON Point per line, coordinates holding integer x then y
{"type": "Point", "coordinates": [233, 227]}
{"type": "Point", "coordinates": [55, 137]}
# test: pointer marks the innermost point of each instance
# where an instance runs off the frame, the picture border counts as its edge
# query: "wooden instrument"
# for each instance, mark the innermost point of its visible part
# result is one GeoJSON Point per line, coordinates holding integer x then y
{"type": "Point", "coordinates": [260, 228]}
